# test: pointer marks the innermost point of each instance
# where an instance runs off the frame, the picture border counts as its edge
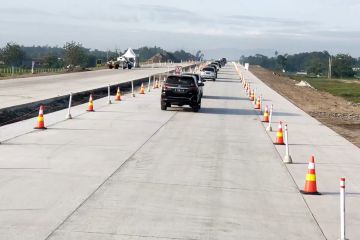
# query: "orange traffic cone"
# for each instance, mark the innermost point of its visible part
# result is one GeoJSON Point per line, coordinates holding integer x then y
{"type": "Point", "coordinates": [279, 135]}
{"type": "Point", "coordinates": [142, 89]}
{"type": "Point", "coordinates": [40, 119]}
{"type": "Point", "coordinates": [266, 114]}
{"type": "Point", "coordinates": [156, 83]}
{"type": "Point", "coordinates": [91, 104]}
{"type": "Point", "coordinates": [252, 96]}
{"type": "Point", "coordinates": [310, 182]}
{"type": "Point", "coordinates": [257, 105]}
{"type": "Point", "coordinates": [118, 95]}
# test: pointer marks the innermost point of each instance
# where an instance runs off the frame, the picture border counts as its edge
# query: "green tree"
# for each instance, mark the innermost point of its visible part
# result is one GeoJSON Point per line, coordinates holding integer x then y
{"type": "Point", "coordinates": [282, 60]}
{"type": "Point", "coordinates": [74, 54]}
{"type": "Point", "coordinates": [12, 54]}
{"type": "Point", "coordinates": [52, 61]}
{"type": "Point", "coordinates": [342, 66]}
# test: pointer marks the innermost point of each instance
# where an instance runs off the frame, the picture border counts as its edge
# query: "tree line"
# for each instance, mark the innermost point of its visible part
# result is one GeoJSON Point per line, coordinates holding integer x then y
{"type": "Point", "coordinates": [313, 63]}
{"type": "Point", "coordinates": [73, 53]}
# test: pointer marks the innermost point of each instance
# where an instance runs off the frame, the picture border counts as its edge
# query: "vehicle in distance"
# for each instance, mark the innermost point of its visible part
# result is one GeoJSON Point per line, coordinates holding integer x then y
{"type": "Point", "coordinates": [208, 73]}
{"type": "Point", "coordinates": [199, 81]}
{"type": "Point", "coordinates": [223, 61]}
{"type": "Point", "coordinates": [181, 90]}
{"type": "Point", "coordinates": [218, 65]}
{"type": "Point", "coordinates": [127, 60]}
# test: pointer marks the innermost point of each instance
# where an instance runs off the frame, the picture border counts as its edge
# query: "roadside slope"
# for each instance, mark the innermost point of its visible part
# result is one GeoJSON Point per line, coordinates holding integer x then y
{"type": "Point", "coordinates": [335, 112]}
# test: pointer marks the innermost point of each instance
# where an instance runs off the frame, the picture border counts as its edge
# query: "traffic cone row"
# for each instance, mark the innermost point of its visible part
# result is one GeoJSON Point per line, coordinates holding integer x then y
{"type": "Point", "coordinates": [310, 180]}
{"type": "Point", "coordinates": [41, 120]}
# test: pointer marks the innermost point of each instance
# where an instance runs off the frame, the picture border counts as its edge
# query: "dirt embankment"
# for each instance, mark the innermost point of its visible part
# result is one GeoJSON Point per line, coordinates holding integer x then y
{"type": "Point", "coordinates": [335, 112]}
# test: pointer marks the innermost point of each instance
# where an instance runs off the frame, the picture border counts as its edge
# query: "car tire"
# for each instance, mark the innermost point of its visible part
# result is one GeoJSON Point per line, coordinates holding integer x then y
{"type": "Point", "coordinates": [196, 107]}
{"type": "Point", "coordinates": [163, 106]}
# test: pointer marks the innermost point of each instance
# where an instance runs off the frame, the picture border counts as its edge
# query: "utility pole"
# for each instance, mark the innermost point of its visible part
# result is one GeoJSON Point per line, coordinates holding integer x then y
{"type": "Point", "coordinates": [329, 72]}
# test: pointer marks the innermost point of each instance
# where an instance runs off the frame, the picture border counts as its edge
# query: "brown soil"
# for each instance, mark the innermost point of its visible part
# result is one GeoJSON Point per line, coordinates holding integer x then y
{"type": "Point", "coordinates": [335, 112]}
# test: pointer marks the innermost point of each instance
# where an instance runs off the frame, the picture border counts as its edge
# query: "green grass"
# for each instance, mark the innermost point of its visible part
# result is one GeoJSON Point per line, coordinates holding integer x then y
{"type": "Point", "coordinates": [346, 88]}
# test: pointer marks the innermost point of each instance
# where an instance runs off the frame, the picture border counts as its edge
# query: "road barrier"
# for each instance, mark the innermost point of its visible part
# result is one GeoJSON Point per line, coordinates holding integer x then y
{"type": "Point", "coordinates": [287, 158]}
{"type": "Point", "coordinates": [342, 209]}
{"type": "Point", "coordinates": [109, 96]}
{"type": "Point", "coordinates": [269, 127]}
{"type": "Point", "coordinates": [149, 84]}
{"type": "Point", "coordinates": [68, 116]}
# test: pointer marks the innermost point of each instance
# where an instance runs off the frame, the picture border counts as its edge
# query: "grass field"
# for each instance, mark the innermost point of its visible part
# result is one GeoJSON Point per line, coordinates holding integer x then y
{"type": "Point", "coordinates": [346, 88]}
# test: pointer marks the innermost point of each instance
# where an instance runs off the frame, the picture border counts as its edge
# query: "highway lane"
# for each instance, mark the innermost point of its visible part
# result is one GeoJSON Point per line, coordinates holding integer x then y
{"type": "Point", "coordinates": [335, 157]}
{"type": "Point", "coordinates": [132, 171]}
{"type": "Point", "coordinates": [26, 90]}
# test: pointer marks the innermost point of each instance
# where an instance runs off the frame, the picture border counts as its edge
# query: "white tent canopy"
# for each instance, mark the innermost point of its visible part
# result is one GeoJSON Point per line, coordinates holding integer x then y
{"type": "Point", "coordinates": [130, 54]}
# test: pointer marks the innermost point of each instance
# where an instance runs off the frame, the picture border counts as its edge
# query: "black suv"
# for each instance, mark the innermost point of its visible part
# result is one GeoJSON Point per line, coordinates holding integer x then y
{"type": "Point", "coordinates": [181, 90]}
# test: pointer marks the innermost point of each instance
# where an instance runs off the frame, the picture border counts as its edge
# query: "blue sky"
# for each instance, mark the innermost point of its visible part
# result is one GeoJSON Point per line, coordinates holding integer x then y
{"type": "Point", "coordinates": [233, 26]}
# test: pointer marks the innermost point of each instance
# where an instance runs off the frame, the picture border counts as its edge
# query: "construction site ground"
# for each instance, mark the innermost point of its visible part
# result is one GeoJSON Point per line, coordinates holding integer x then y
{"type": "Point", "coordinates": [335, 112]}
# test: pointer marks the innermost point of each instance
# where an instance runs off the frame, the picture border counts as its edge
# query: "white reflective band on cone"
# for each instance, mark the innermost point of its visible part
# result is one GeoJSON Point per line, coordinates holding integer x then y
{"type": "Point", "coordinates": [311, 166]}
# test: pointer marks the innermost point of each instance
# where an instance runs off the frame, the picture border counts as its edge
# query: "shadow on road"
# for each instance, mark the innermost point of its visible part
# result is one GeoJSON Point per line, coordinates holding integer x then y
{"type": "Point", "coordinates": [223, 97]}
{"type": "Point", "coordinates": [230, 81]}
{"type": "Point", "coordinates": [228, 111]}
{"type": "Point", "coordinates": [285, 114]}
{"type": "Point", "coordinates": [227, 78]}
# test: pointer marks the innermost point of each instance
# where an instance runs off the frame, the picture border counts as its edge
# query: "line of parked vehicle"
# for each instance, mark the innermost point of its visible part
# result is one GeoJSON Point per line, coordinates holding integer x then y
{"type": "Point", "coordinates": [187, 88]}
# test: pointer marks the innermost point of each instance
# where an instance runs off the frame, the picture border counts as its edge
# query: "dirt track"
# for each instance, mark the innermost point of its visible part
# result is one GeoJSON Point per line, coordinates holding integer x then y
{"type": "Point", "coordinates": [335, 112]}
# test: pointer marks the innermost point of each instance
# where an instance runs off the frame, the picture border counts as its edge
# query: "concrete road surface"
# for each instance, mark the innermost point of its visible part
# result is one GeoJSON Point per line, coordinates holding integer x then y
{"type": "Point", "coordinates": [26, 90]}
{"type": "Point", "coordinates": [132, 171]}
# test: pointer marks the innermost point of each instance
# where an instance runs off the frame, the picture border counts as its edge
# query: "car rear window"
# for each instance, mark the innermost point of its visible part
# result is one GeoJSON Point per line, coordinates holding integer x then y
{"type": "Point", "coordinates": [187, 81]}
{"type": "Point", "coordinates": [208, 69]}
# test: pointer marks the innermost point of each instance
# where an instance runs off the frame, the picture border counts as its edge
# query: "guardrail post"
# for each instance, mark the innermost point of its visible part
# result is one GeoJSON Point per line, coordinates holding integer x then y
{"type": "Point", "coordinates": [68, 116]}
{"type": "Point", "coordinates": [149, 84]}
{"type": "Point", "coordinates": [287, 158]}
{"type": "Point", "coordinates": [269, 127]}
{"type": "Point", "coordinates": [342, 209]}
{"type": "Point", "coordinates": [132, 88]}
{"type": "Point", "coordinates": [109, 100]}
